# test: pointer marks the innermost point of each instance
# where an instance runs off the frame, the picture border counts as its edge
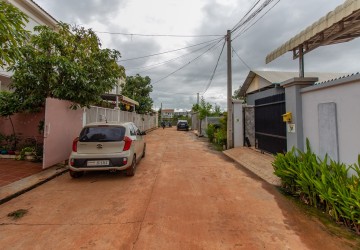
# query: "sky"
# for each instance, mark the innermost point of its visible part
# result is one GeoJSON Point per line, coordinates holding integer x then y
{"type": "Point", "coordinates": [194, 31]}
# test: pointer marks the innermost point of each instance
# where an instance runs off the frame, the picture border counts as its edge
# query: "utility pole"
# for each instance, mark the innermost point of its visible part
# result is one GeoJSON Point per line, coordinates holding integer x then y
{"type": "Point", "coordinates": [229, 94]}
{"type": "Point", "coordinates": [197, 115]}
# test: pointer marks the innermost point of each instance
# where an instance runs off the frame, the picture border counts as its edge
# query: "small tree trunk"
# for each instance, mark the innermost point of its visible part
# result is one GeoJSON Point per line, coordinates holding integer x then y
{"type": "Point", "coordinates": [13, 129]}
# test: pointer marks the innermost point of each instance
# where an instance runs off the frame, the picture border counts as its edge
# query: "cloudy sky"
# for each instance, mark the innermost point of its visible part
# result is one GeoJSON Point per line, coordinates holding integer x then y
{"type": "Point", "coordinates": [193, 30]}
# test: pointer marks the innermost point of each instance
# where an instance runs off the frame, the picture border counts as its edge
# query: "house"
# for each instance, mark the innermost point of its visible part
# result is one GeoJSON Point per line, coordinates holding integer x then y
{"type": "Point", "coordinates": [115, 97]}
{"type": "Point", "coordinates": [265, 104]}
{"type": "Point", "coordinates": [37, 16]}
{"type": "Point", "coordinates": [181, 112]}
{"type": "Point", "coordinates": [167, 114]}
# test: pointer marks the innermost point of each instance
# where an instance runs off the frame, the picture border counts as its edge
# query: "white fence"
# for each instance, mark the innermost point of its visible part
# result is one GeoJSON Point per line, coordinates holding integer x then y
{"type": "Point", "coordinates": [143, 122]}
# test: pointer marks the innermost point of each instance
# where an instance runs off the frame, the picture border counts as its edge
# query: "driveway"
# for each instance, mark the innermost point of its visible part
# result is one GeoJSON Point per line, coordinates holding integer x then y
{"type": "Point", "coordinates": [184, 196]}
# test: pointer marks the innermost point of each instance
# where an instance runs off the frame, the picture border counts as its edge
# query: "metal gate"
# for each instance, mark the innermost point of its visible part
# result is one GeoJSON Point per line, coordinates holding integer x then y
{"type": "Point", "coordinates": [270, 130]}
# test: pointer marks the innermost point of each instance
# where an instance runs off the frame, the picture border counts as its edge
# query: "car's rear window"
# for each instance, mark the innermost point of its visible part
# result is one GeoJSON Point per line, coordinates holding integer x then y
{"type": "Point", "coordinates": [182, 123]}
{"type": "Point", "coordinates": [102, 133]}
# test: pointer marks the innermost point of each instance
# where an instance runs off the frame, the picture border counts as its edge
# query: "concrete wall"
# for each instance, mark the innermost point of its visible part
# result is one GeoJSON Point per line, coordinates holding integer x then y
{"type": "Point", "coordinates": [250, 99]}
{"type": "Point", "coordinates": [25, 124]}
{"type": "Point", "coordinates": [62, 125]}
{"type": "Point", "coordinates": [343, 102]}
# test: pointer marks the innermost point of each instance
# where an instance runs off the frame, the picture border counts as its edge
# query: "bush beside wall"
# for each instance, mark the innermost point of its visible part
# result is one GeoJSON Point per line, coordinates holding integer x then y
{"type": "Point", "coordinates": [324, 184]}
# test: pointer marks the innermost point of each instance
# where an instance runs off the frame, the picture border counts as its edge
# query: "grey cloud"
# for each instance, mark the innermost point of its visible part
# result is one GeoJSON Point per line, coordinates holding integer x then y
{"type": "Point", "coordinates": [284, 21]}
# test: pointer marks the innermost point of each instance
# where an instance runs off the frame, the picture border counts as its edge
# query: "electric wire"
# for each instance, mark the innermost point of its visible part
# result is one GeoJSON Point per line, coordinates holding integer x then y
{"type": "Point", "coordinates": [240, 58]}
{"type": "Point", "coordinates": [154, 35]}
{"type": "Point", "coordinates": [246, 29]}
{"type": "Point", "coordinates": [214, 71]}
{"type": "Point", "coordinates": [169, 51]}
{"type": "Point", "coordinates": [247, 13]}
{"type": "Point", "coordinates": [252, 16]}
{"type": "Point", "coordinates": [149, 67]}
{"type": "Point", "coordinates": [186, 64]}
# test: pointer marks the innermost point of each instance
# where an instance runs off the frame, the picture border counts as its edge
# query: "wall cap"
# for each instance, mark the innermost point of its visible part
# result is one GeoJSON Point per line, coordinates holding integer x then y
{"type": "Point", "coordinates": [299, 81]}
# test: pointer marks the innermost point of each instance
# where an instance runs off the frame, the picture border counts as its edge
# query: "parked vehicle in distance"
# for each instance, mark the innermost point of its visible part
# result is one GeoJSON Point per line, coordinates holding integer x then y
{"type": "Point", "coordinates": [107, 146]}
{"type": "Point", "coordinates": [182, 125]}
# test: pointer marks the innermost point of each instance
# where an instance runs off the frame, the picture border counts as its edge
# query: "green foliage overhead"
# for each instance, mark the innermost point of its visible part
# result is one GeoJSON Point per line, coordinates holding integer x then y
{"type": "Point", "coordinates": [67, 64]}
{"type": "Point", "coordinates": [139, 88]}
{"type": "Point", "coordinates": [12, 33]}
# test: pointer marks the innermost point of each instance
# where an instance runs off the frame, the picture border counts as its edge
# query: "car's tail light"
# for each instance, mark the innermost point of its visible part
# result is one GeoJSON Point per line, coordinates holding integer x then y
{"type": "Point", "coordinates": [72, 162]}
{"type": "Point", "coordinates": [74, 146]}
{"type": "Point", "coordinates": [128, 142]}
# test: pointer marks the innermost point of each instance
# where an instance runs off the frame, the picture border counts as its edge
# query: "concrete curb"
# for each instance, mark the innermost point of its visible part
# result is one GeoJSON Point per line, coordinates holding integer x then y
{"type": "Point", "coordinates": [256, 162]}
{"type": "Point", "coordinates": [17, 188]}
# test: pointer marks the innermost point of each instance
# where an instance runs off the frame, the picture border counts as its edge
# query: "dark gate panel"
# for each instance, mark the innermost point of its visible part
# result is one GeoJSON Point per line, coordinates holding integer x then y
{"type": "Point", "coordinates": [270, 130]}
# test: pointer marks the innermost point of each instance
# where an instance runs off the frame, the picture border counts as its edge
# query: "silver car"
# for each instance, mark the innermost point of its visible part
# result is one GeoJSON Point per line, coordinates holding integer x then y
{"type": "Point", "coordinates": [107, 146]}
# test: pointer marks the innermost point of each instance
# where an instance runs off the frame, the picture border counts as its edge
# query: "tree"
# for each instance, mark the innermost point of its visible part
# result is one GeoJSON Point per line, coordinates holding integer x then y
{"type": "Point", "coordinates": [203, 109]}
{"type": "Point", "coordinates": [139, 88]}
{"type": "Point", "coordinates": [68, 64]}
{"type": "Point", "coordinates": [217, 111]}
{"type": "Point", "coordinates": [12, 33]}
{"type": "Point", "coordinates": [9, 105]}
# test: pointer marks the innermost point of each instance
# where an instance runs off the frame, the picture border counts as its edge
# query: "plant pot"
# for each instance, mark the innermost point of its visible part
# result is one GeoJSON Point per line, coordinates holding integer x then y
{"type": "Point", "coordinates": [29, 157]}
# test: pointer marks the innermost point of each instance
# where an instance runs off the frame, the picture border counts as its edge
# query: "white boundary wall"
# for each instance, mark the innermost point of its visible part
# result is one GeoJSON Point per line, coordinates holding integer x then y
{"type": "Point", "coordinates": [343, 94]}
{"type": "Point", "coordinates": [98, 114]}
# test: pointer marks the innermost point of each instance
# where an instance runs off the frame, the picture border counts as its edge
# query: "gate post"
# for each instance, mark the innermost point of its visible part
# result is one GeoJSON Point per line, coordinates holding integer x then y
{"type": "Point", "coordinates": [293, 100]}
{"type": "Point", "coordinates": [238, 121]}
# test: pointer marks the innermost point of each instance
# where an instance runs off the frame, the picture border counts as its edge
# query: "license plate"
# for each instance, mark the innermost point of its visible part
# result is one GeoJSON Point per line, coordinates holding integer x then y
{"type": "Point", "coordinates": [98, 163]}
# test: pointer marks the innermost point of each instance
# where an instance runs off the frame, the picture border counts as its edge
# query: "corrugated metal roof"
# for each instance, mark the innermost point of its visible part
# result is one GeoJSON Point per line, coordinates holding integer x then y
{"type": "Point", "coordinates": [339, 25]}
{"type": "Point", "coordinates": [276, 77]}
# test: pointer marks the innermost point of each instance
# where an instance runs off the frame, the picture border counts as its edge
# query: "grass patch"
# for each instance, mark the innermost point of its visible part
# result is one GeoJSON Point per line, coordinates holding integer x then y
{"type": "Point", "coordinates": [17, 214]}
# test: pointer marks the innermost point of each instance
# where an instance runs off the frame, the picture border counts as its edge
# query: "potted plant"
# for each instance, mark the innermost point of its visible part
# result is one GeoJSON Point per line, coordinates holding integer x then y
{"type": "Point", "coordinates": [27, 153]}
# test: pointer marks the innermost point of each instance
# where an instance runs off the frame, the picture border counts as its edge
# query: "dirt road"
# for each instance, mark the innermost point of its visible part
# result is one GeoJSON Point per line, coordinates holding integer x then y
{"type": "Point", "coordinates": [184, 196]}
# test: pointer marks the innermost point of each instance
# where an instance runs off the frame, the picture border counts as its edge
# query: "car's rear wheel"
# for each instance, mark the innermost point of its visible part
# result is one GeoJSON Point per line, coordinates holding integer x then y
{"type": "Point", "coordinates": [144, 151]}
{"type": "Point", "coordinates": [131, 170]}
{"type": "Point", "coordinates": [76, 174]}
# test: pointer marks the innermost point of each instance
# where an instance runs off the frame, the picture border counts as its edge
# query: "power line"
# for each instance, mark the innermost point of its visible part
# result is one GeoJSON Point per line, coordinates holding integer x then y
{"type": "Point", "coordinates": [186, 64]}
{"type": "Point", "coordinates": [246, 29]}
{"type": "Point", "coordinates": [149, 67]}
{"type": "Point", "coordinates": [252, 16]}
{"type": "Point", "coordinates": [169, 51]}
{"type": "Point", "coordinates": [235, 27]}
{"type": "Point", "coordinates": [213, 73]}
{"type": "Point", "coordinates": [240, 58]}
{"type": "Point", "coordinates": [154, 35]}
{"type": "Point", "coordinates": [168, 93]}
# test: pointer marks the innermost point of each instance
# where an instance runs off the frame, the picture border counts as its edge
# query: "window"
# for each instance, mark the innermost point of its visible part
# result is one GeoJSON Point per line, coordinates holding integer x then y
{"type": "Point", "coordinates": [102, 134]}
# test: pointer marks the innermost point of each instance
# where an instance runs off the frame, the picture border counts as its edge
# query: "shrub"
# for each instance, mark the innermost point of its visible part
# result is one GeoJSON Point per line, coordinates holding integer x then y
{"type": "Point", "coordinates": [210, 131]}
{"type": "Point", "coordinates": [322, 183]}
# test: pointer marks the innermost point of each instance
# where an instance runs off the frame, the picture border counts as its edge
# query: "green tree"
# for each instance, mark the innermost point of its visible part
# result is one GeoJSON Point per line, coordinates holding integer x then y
{"type": "Point", "coordinates": [12, 33]}
{"type": "Point", "coordinates": [67, 64]}
{"type": "Point", "coordinates": [217, 111]}
{"type": "Point", "coordinates": [203, 109]}
{"type": "Point", "coordinates": [139, 88]}
{"type": "Point", "coordinates": [9, 105]}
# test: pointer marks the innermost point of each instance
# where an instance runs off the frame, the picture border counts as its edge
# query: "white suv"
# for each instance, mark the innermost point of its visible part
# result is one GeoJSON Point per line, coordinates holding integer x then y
{"type": "Point", "coordinates": [107, 146]}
